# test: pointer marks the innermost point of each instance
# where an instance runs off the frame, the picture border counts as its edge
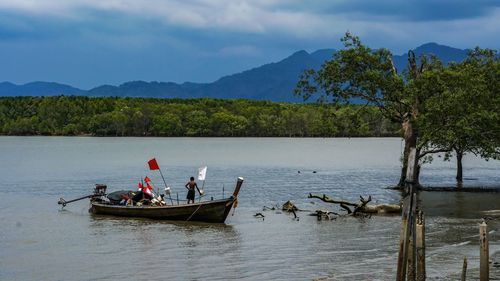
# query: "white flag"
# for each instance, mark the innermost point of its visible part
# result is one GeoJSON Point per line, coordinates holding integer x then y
{"type": "Point", "coordinates": [202, 172]}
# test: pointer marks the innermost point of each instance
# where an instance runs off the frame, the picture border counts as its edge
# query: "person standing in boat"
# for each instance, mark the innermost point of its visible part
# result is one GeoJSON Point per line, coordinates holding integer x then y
{"type": "Point", "coordinates": [190, 186]}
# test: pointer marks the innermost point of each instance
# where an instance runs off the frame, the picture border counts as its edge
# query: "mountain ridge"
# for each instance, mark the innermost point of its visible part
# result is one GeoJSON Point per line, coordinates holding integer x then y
{"type": "Point", "coordinates": [273, 81]}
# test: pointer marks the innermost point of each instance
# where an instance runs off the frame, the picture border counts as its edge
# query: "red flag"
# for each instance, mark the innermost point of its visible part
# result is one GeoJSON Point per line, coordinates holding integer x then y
{"type": "Point", "coordinates": [153, 165]}
{"type": "Point", "coordinates": [148, 189]}
{"type": "Point", "coordinates": [139, 187]}
{"type": "Point", "coordinates": [147, 179]}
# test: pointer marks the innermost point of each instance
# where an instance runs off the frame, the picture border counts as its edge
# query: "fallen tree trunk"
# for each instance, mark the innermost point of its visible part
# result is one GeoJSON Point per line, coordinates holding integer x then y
{"type": "Point", "coordinates": [362, 206]}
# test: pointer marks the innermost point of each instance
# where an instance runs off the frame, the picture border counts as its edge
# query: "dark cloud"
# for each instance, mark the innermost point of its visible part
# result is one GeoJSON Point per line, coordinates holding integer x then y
{"type": "Point", "coordinates": [401, 10]}
{"type": "Point", "coordinates": [92, 47]}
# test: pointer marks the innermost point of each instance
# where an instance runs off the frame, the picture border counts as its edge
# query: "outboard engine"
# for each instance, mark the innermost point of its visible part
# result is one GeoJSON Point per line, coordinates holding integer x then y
{"type": "Point", "coordinates": [99, 193]}
{"type": "Point", "coordinates": [100, 190]}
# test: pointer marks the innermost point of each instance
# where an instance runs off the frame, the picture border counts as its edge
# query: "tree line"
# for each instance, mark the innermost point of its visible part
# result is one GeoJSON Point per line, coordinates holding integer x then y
{"type": "Point", "coordinates": [203, 117]}
{"type": "Point", "coordinates": [449, 108]}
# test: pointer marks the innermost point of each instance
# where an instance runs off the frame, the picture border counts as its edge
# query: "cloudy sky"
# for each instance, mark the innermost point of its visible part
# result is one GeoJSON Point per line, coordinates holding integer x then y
{"type": "Point", "coordinates": [87, 43]}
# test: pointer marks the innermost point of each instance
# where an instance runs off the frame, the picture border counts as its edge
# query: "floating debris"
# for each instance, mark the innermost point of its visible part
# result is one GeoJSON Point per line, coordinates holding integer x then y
{"type": "Point", "coordinates": [289, 206]}
{"type": "Point", "coordinates": [259, 215]}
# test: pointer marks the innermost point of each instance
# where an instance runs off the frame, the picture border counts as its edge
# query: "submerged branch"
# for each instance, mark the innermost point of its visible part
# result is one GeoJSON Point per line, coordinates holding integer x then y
{"type": "Point", "coordinates": [362, 206]}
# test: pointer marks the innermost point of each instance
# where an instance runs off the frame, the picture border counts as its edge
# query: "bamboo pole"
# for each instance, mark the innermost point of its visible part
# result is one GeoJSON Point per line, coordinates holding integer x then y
{"type": "Point", "coordinates": [420, 245]}
{"type": "Point", "coordinates": [484, 271]}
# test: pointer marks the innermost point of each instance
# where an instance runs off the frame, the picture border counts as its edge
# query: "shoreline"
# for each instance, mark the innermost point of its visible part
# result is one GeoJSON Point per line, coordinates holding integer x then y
{"type": "Point", "coordinates": [200, 137]}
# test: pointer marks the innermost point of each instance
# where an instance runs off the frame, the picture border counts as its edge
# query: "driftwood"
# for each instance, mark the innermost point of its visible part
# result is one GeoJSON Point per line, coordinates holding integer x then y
{"type": "Point", "coordinates": [289, 206]}
{"type": "Point", "coordinates": [325, 214]}
{"type": "Point", "coordinates": [259, 216]}
{"type": "Point", "coordinates": [361, 207]}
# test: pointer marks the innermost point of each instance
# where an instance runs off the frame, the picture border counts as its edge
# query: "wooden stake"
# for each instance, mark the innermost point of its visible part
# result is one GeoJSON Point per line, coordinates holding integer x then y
{"type": "Point", "coordinates": [401, 270]}
{"type": "Point", "coordinates": [484, 270]}
{"type": "Point", "coordinates": [406, 223]}
{"type": "Point", "coordinates": [420, 245]}
{"type": "Point", "coordinates": [412, 247]}
{"type": "Point", "coordinates": [464, 269]}
{"type": "Point", "coordinates": [411, 259]}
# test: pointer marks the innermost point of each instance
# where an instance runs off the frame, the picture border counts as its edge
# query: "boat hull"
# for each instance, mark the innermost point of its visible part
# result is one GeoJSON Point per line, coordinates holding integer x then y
{"type": "Point", "coordinates": [210, 211]}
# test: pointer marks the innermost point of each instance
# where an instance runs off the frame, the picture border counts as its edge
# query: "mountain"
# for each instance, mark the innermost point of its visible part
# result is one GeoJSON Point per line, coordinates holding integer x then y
{"type": "Point", "coordinates": [273, 81]}
{"type": "Point", "coordinates": [38, 89]}
{"type": "Point", "coordinates": [445, 53]}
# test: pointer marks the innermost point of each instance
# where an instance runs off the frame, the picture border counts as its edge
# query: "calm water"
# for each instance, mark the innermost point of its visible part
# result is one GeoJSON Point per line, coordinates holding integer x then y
{"type": "Point", "coordinates": [39, 241]}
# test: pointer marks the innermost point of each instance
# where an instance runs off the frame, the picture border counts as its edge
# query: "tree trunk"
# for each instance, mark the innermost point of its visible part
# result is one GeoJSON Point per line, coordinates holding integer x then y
{"type": "Point", "coordinates": [459, 177]}
{"type": "Point", "coordinates": [410, 131]}
{"type": "Point", "coordinates": [410, 138]}
{"type": "Point", "coordinates": [417, 175]}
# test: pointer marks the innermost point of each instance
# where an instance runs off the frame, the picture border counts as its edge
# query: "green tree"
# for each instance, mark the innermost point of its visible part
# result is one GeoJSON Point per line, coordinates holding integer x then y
{"type": "Point", "coordinates": [70, 130]}
{"type": "Point", "coordinates": [114, 116]}
{"type": "Point", "coordinates": [168, 125]}
{"type": "Point", "coordinates": [359, 73]}
{"type": "Point", "coordinates": [22, 126]}
{"type": "Point", "coordinates": [197, 124]}
{"type": "Point", "coordinates": [464, 114]}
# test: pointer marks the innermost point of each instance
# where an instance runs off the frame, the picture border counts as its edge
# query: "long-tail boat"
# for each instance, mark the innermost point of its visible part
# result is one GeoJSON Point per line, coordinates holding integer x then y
{"type": "Point", "coordinates": [213, 211]}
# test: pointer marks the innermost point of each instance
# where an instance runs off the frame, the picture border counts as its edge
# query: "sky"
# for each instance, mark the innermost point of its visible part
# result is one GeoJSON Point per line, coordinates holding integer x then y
{"type": "Point", "coordinates": [86, 43]}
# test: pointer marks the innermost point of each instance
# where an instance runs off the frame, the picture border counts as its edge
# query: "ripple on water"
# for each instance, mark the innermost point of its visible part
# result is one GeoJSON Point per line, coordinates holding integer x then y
{"type": "Point", "coordinates": [40, 242]}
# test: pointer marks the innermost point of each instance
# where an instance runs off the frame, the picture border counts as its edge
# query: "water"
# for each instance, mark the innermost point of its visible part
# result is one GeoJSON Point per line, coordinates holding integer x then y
{"type": "Point", "coordinates": [39, 241]}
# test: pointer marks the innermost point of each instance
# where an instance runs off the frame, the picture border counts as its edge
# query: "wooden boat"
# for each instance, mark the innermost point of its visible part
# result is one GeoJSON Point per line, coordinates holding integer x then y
{"type": "Point", "coordinates": [214, 211]}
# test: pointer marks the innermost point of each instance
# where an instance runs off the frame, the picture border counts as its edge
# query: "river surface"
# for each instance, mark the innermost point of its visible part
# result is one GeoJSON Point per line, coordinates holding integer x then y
{"type": "Point", "coordinates": [39, 241]}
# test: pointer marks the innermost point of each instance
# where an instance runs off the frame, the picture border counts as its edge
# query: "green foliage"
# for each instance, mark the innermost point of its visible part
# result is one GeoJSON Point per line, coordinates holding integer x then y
{"type": "Point", "coordinates": [113, 116]}
{"type": "Point", "coordinates": [464, 113]}
{"type": "Point", "coordinates": [358, 73]}
{"type": "Point", "coordinates": [440, 108]}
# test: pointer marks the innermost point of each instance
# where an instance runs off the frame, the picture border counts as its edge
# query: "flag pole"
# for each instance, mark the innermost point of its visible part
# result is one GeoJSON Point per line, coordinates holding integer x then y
{"type": "Point", "coordinates": [161, 174]}
{"type": "Point", "coordinates": [202, 173]}
{"type": "Point", "coordinates": [142, 190]}
{"type": "Point", "coordinates": [202, 186]}
{"type": "Point", "coordinates": [157, 189]}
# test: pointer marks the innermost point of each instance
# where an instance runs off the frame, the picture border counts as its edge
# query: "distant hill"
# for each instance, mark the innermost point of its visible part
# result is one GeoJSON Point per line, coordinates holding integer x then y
{"type": "Point", "coordinates": [273, 81]}
{"type": "Point", "coordinates": [38, 89]}
{"type": "Point", "coordinates": [445, 53]}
